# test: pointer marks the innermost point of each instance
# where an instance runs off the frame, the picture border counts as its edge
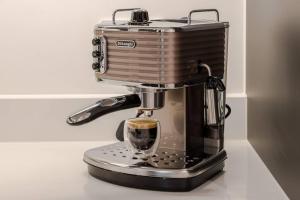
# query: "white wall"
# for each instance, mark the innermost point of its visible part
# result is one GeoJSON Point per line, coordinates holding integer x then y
{"type": "Point", "coordinates": [45, 46]}
{"type": "Point", "coordinates": [45, 52]}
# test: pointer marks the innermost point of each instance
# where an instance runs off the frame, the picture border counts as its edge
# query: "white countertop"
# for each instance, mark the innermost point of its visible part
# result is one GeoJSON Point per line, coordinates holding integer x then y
{"type": "Point", "coordinates": [55, 170]}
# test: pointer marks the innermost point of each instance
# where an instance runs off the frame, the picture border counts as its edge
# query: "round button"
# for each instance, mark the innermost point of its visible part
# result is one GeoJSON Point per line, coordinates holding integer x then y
{"type": "Point", "coordinates": [96, 41]}
{"type": "Point", "coordinates": [96, 66]}
{"type": "Point", "coordinates": [96, 54]}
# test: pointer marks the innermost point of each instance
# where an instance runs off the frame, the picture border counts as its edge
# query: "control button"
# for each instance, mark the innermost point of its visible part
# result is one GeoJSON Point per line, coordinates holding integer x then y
{"type": "Point", "coordinates": [96, 41]}
{"type": "Point", "coordinates": [139, 16]}
{"type": "Point", "coordinates": [96, 66]}
{"type": "Point", "coordinates": [96, 54]}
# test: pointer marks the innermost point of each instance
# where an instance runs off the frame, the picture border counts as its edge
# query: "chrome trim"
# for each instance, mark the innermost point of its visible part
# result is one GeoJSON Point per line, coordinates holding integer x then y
{"type": "Point", "coordinates": [161, 27]}
{"type": "Point", "coordinates": [211, 111]}
{"type": "Point", "coordinates": [202, 10]}
{"type": "Point", "coordinates": [210, 105]}
{"type": "Point", "coordinates": [143, 85]}
{"type": "Point", "coordinates": [148, 113]}
{"type": "Point", "coordinates": [102, 60]}
{"type": "Point", "coordinates": [121, 10]}
{"type": "Point", "coordinates": [151, 99]}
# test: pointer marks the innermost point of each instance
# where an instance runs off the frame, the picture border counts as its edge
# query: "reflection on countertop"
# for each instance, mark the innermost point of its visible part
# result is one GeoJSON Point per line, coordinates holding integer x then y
{"type": "Point", "coordinates": [55, 170]}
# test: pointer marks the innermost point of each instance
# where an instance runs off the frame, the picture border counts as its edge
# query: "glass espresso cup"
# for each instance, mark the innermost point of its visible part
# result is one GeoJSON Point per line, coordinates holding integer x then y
{"type": "Point", "coordinates": [142, 136]}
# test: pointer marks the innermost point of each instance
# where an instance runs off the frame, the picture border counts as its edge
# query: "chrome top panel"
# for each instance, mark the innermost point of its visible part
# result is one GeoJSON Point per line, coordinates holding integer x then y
{"type": "Point", "coordinates": [162, 25]}
{"type": "Point", "coordinates": [151, 86]}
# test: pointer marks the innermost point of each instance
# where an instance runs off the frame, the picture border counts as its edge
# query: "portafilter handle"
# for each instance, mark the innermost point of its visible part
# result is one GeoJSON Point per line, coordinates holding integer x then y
{"type": "Point", "coordinates": [102, 107]}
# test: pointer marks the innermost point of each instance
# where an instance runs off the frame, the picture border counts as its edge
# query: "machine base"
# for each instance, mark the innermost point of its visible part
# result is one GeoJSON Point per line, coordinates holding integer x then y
{"type": "Point", "coordinates": [154, 183]}
{"type": "Point", "coordinates": [166, 171]}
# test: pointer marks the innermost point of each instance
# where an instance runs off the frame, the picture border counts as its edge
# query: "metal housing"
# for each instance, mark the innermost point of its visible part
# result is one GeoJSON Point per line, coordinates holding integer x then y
{"type": "Point", "coordinates": [165, 52]}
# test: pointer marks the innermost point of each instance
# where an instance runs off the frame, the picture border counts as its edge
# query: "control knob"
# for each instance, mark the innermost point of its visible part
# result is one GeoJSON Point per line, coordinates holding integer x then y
{"type": "Point", "coordinates": [96, 41]}
{"type": "Point", "coordinates": [96, 66]}
{"type": "Point", "coordinates": [139, 16]}
{"type": "Point", "coordinates": [96, 54]}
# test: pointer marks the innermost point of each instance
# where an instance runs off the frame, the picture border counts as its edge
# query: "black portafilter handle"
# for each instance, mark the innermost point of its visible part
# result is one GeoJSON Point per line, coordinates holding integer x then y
{"type": "Point", "coordinates": [102, 107]}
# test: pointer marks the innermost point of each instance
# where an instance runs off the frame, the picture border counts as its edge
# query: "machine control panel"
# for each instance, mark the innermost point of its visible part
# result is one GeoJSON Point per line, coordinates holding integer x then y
{"type": "Point", "coordinates": [99, 54]}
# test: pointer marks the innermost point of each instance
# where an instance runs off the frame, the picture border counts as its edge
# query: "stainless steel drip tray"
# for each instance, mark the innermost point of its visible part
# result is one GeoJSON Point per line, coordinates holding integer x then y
{"type": "Point", "coordinates": [166, 163]}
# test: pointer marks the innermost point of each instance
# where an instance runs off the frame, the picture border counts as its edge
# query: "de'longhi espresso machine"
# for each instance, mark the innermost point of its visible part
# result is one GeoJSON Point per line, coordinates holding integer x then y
{"type": "Point", "coordinates": [176, 71]}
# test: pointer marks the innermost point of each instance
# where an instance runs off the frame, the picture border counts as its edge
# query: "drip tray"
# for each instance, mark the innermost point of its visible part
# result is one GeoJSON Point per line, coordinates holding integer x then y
{"type": "Point", "coordinates": [167, 170]}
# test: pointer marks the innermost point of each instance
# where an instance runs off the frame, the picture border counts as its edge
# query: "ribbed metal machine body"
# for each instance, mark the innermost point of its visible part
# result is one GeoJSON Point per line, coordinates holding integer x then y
{"type": "Point", "coordinates": [163, 52]}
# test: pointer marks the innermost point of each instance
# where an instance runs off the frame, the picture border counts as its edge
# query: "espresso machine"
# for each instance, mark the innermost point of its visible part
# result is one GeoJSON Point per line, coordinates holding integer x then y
{"type": "Point", "coordinates": [176, 72]}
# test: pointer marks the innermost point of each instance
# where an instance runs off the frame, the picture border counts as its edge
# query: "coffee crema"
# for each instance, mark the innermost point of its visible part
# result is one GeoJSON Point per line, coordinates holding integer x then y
{"type": "Point", "coordinates": [142, 123]}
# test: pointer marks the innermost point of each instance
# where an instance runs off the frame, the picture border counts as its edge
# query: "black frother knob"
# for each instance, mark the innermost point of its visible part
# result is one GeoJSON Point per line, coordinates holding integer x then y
{"type": "Point", "coordinates": [96, 54]}
{"type": "Point", "coordinates": [139, 16]}
{"type": "Point", "coordinates": [96, 41]}
{"type": "Point", "coordinates": [96, 66]}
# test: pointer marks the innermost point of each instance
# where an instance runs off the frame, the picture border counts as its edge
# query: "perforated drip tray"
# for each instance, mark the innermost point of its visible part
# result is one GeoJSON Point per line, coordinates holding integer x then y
{"type": "Point", "coordinates": [165, 163]}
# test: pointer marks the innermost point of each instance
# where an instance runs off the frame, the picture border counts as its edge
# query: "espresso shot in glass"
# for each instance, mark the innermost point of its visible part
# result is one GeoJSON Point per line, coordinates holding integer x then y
{"type": "Point", "coordinates": [142, 135]}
